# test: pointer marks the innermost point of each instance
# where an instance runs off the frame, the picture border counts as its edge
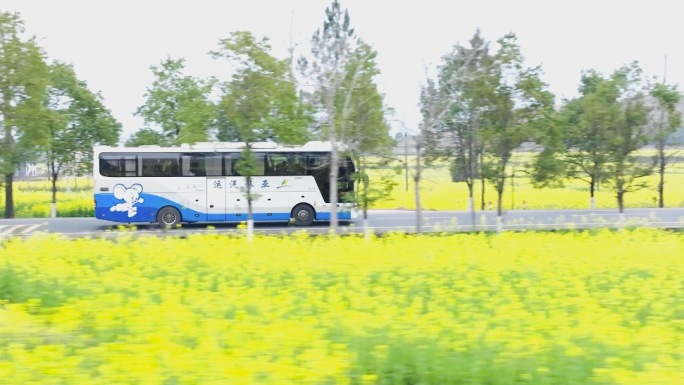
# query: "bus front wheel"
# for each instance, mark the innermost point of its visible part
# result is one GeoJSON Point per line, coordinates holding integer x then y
{"type": "Point", "coordinates": [303, 215]}
{"type": "Point", "coordinates": [168, 217]}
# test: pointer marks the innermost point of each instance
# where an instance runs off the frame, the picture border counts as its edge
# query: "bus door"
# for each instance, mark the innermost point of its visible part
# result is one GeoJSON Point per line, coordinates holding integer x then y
{"type": "Point", "coordinates": [236, 199]}
{"type": "Point", "coordinates": [207, 168]}
{"type": "Point", "coordinates": [216, 199]}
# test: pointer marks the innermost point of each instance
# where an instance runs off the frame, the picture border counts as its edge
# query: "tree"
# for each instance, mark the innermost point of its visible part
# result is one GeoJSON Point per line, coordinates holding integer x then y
{"type": "Point", "coordinates": [518, 105]}
{"type": "Point", "coordinates": [331, 51]}
{"type": "Point", "coordinates": [360, 106]}
{"type": "Point", "coordinates": [77, 121]}
{"type": "Point", "coordinates": [665, 120]}
{"type": "Point", "coordinates": [627, 133]}
{"type": "Point", "coordinates": [177, 106]}
{"type": "Point", "coordinates": [23, 79]}
{"type": "Point", "coordinates": [362, 126]}
{"type": "Point", "coordinates": [596, 134]}
{"type": "Point", "coordinates": [342, 70]}
{"type": "Point", "coordinates": [260, 102]}
{"type": "Point", "coordinates": [225, 129]}
{"type": "Point", "coordinates": [433, 108]}
{"type": "Point", "coordinates": [583, 134]}
{"type": "Point", "coordinates": [146, 136]}
{"type": "Point", "coordinates": [457, 137]}
{"type": "Point", "coordinates": [549, 168]}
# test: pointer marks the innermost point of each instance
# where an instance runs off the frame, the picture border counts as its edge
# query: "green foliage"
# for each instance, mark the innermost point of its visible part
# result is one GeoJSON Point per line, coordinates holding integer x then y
{"type": "Point", "coordinates": [331, 52]}
{"type": "Point", "coordinates": [23, 79]}
{"type": "Point", "coordinates": [77, 120]}
{"type": "Point", "coordinates": [146, 136]}
{"type": "Point", "coordinates": [597, 134]}
{"type": "Point", "coordinates": [248, 165]}
{"type": "Point", "coordinates": [17, 286]}
{"type": "Point", "coordinates": [484, 107]}
{"type": "Point", "coordinates": [260, 102]}
{"type": "Point", "coordinates": [666, 117]}
{"type": "Point", "coordinates": [666, 120]}
{"type": "Point", "coordinates": [177, 106]}
{"type": "Point", "coordinates": [547, 170]}
{"type": "Point", "coordinates": [369, 194]}
{"type": "Point", "coordinates": [360, 106]}
{"type": "Point", "coordinates": [341, 69]}
{"type": "Point", "coordinates": [457, 96]}
{"type": "Point", "coordinates": [519, 104]}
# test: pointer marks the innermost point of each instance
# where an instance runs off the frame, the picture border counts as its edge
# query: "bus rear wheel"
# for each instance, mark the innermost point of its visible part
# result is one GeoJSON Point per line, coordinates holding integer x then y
{"type": "Point", "coordinates": [168, 217]}
{"type": "Point", "coordinates": [303, 215]}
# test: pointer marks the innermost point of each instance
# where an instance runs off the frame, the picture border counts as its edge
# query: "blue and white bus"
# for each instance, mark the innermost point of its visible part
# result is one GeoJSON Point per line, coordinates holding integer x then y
{"type": "Point", "coordinates": [199, 183]}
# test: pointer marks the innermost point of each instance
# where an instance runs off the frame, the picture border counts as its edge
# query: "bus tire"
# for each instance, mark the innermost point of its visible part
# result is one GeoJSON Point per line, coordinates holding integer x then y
{"type": "Point", "coordinates": [303, 215]}
{"type": "Point", "coordinates": [168, 217]}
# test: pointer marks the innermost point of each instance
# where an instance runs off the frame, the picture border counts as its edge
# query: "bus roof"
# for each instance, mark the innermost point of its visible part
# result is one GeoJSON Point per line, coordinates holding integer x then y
{"type": "Point", "coordinates": [312, 146]}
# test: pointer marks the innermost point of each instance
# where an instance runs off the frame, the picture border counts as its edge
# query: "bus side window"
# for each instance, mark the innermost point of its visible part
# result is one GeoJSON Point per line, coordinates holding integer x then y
{"type": "Point", "coordinates": [229, 161]}
{"type": "Point", "coordinates": [118, 165]}
{"type": "Point", "coordinates": [193, 164]}
{"type": "Point", "coordinates": [196, 169]}
{"type": "Point", "coordinates": [297, 165]}
{"type": "Point", "coordinates": [107, 168]}
{"type": "Point", "coordinates": [212, 165]}
{"type": "Point", "coordinates": [281, 168]}
{"type": "Point", "coordinates": [296, 168]}
{"type": "Point", "coordinates": [172, 170]}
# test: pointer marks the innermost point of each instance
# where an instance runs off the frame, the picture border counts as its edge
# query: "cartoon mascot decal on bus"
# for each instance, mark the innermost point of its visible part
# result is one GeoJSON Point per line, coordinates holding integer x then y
{"type": "Point", "coordinates": [130, 196]}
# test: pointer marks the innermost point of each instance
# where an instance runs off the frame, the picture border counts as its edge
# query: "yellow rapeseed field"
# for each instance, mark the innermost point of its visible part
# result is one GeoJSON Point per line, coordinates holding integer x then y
{"type": "Point", "coordinates": [595, 307]}
{"type": "Point", "coordinates": [438, 192]}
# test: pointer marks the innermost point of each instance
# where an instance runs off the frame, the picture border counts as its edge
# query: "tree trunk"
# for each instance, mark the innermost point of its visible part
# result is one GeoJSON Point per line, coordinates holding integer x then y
{"type": "Point", "coordinates": [499, 208]}
{"type": "Point", "coordinates": [621, 208]}
{"type": "Point", "coordinates": [661, 173]}
{"type": "Point", "coordinates": [250, 213]}
{"type": "Point", "coordinates": [53, 203]}
{"type": "Point", "coordinates": [334, 171]}
{"type": "Point", "coordinates": [592, 203]}
{"type": "Point", "coordinates": [621, 200]}
{"type": "Point", "coordinates": [419, 214]}
{"type": "Point", "coordinates": [9, 197]}
{"type": "Point", "coordinates": [471, 207]}
{"type": "Point", "coordinates": [482, 184]}
{"type": "Point", "coordinates": [482, 194]}
{"type": "Point", "coordinates": [366, 229]}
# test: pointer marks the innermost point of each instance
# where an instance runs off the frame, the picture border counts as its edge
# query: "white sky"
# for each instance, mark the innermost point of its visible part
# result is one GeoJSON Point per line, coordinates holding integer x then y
{"type": "Point", "coordinates": [112, 44]}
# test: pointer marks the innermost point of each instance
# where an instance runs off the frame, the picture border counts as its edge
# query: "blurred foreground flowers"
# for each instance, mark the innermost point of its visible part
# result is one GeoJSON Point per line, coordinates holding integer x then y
{"type": "Point", "coordinates": [538, 308]}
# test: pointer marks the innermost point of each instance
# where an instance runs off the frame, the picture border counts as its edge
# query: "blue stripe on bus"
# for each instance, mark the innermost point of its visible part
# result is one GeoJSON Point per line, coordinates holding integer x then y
{"type": "Point", "coordinates": [146, 212]}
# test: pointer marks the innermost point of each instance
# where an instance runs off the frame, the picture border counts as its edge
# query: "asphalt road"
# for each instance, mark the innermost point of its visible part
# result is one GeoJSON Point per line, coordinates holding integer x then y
{"type": "Point", "coordinates": [379, 221]}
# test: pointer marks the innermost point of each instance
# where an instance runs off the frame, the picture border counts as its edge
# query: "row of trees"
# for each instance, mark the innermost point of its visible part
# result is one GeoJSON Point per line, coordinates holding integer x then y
{"type": "Point", "coordinates": [329, 94]}
{"type": "Point", "coordinates": [483, 106]}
